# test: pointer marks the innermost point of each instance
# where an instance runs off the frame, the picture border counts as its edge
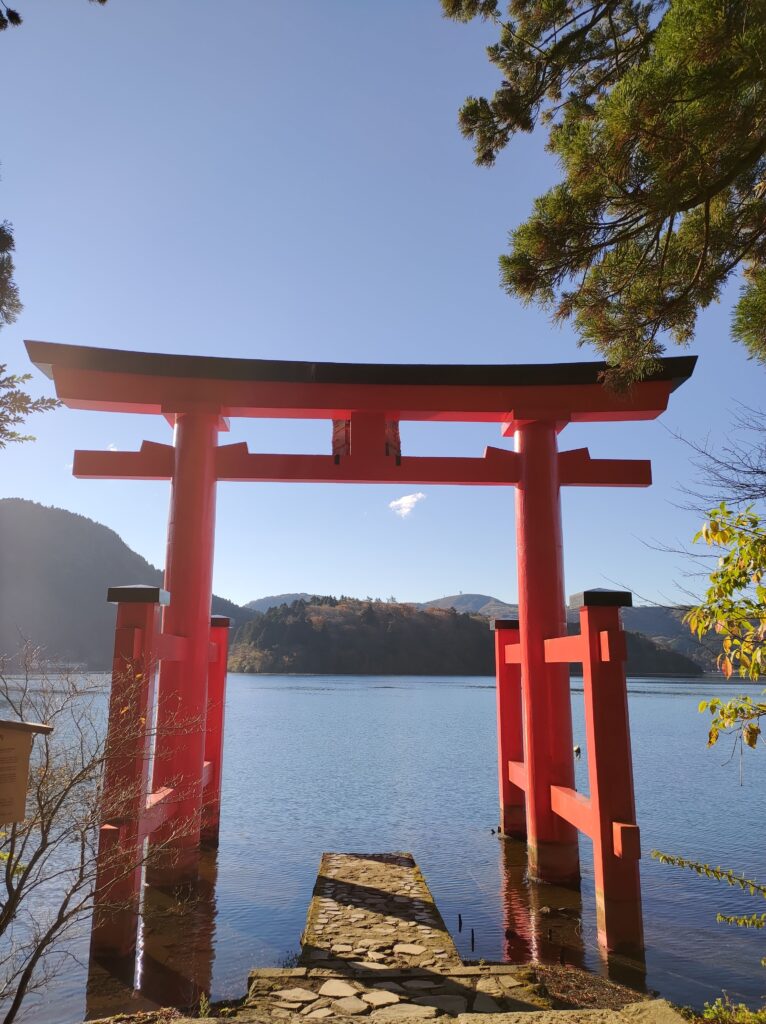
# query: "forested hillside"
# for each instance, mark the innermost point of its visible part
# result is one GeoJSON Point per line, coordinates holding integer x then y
{"type": "Point", "coordinates": [55, 568]}
{"type": "Point", "coordinates": [344, 635]}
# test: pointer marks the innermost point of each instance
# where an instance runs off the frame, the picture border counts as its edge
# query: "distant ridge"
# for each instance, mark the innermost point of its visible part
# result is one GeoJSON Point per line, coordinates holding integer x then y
{"type": "Point", "coordinates": [262, 604]}
{"type": "Point", "coordinates": [661, 623]}
{"type": "Point", "coordinates": [474, 604]}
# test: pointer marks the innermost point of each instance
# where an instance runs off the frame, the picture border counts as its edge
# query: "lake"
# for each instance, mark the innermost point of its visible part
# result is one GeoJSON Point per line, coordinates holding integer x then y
{"type": "Point", "coordinates": [372, 764]}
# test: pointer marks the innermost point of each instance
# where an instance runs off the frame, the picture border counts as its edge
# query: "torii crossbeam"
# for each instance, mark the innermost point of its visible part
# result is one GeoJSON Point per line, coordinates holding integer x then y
{"type": "Point", "coordinates": [365, 404]}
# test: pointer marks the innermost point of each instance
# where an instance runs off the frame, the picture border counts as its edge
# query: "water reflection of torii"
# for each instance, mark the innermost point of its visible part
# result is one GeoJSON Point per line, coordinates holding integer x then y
{"type": "Point", "coordinates": [366, 403]}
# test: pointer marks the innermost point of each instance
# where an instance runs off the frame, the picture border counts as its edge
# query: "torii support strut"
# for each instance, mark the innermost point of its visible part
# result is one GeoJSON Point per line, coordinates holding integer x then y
{"type": "Point", "coordinates": [365, 403]}
{"type": "Point", "coordinates": [608, 815]}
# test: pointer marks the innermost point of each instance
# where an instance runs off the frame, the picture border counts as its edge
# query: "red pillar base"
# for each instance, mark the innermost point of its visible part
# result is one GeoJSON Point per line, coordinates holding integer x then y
{"type": "Point", "coordinates": [555, 862]}
{"type": "Point", "coordinates": [620, 924]}
{"type": "Point", "coordinates": [115, 912]}
{"type": "Point", "coordinates": [173, 863]}
{"type": "Point", "coordinates": [513, 822]}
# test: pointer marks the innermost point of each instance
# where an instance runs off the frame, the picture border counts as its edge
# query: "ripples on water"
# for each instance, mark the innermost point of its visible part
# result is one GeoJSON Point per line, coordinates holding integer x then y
{"type": "Point", "coordinates": [380, 763]}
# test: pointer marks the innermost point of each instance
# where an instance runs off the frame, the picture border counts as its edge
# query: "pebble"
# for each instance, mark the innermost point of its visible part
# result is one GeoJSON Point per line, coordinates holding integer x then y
{"type": "Point", "coordinates": [380, 998]}
{"type": "Point", "coordinates": [295, 995]}
{"type": "Point", "coordinates": [409, 949]}
{"type": "Point", "coordinates": [337, 989]}
{"type": "Point", "coordinates": [404, 1011]}
{"type": "Point", "coordinates": [390, 986]}
{"type": "Point", "coordinates": [351, 1005]}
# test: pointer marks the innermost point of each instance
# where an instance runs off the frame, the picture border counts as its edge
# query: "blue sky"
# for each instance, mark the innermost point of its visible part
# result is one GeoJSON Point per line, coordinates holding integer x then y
{"type": "Point", "coordinates": [273, 180]}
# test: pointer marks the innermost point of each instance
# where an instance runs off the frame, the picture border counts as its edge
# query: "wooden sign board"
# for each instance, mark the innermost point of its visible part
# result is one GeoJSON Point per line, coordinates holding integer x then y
{"type": "Point", "coordinates": [15, 747]}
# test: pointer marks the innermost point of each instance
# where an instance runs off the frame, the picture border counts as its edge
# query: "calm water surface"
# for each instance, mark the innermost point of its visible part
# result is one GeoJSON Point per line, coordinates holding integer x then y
{"type": "Point", "coordinates": [368, 764]}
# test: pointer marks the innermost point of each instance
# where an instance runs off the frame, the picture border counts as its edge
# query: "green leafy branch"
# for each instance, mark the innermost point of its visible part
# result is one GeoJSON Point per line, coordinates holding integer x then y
{"type": "Point", "coordinates": [734, 605]}
{"type": "Point", "coordinates": [719, 874]}
{"type": "Point", "coordinates": [741, 714]}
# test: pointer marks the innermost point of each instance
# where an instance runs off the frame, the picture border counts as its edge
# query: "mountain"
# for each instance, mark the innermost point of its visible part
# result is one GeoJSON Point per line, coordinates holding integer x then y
{"type": "Point", "coordinates": [474, 604]}
{"type": "Point", "coordinates": [55, 568]}
{"type": "Point", "coordinates": [264, 603]}
{"type": "Point", "coordinates": [662, 624]}
{"type": "Point", "coordinates": [348, 636]}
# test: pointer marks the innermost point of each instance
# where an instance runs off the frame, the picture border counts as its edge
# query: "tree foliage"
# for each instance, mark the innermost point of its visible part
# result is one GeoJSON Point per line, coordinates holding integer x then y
{"type": "Point", "coordinates": [11, 17]}
{"type": "Point", "coordinates": [656, 113]}
{"type": "Point", "coordinates": [734, 605]}
{"type": "Point", "coordinates": [15, 403]}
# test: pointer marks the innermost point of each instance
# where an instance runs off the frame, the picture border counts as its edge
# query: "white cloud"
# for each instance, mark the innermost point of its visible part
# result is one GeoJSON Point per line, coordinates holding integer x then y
{"type": "Point", "coordinates": [402, 507]}
{"type": "Point", "coordinates": [112, 447]}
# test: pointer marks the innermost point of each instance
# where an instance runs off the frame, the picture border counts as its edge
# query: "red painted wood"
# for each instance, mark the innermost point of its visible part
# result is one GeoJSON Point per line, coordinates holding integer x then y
{"type": "Point", "coordinates": [236, 463]}
{"type": "Point", "coordinates": [126, 780]}
{"type": "Point", "coordinates": [626, 841]}
{"type": "Point", "coordinates": [216, 700]}
{"type": "Point", "coordinates": [512, 654]}
{"type": "Point", "coordinates": [144, 393]}
{"type": "Point", "coordinates": [573, 807]}
{"type": "Point", "coordinates": [152, 462]}
{"type": "Point", "coordinates": [160, 806]}
{"type": "Point", "coordinates": [577, 468]}
{"type": "Point", "coordinates": [182, 698]}
{"type": "Point", "coordinates": [517, 774]}
{"type": "Point", "coordinates": [510, 742]}
{"type": "Point", "coordinates": [610, 772]}
{"type": "Point", "coordinates": [552, 842]}
{"type": "Point", "coordinates": [564, 649]}
{"type": "Point", "coordinates": [172, 648]}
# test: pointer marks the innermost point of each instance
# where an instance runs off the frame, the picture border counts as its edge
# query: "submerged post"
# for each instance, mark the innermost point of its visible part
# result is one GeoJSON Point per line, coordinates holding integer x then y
{"type": "Point", "coordinates": [182, 710]}
{"type": "Point", "coordinates": [615, 834]}
{"type": "Point", "coordinates": [552, 842]}
{"type": "Point", "coordinates": [126, 769]}
{"type": "Point", "coordinates": [216, 701]}
{"type": "Point", "coordinates": [510, 741]}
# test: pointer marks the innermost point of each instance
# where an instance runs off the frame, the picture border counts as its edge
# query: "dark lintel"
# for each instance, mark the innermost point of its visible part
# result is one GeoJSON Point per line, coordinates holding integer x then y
{"type": "Point", "coordinates": [48, 355]}
{"type": "Point", "coordinates": [138, 593]}
{"type": "Point", "coordinates": [601, 598]}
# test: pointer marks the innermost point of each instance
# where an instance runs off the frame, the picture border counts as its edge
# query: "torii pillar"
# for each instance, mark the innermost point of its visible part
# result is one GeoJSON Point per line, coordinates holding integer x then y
{"type": "Point", "coordinates": [182, 693]}
{"type": "Point", "coordinates": [552, 842]}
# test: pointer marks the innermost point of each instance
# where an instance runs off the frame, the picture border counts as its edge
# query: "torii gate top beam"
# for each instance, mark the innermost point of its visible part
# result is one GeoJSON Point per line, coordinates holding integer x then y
{"type": "Point", "coordinates": [113, 380]}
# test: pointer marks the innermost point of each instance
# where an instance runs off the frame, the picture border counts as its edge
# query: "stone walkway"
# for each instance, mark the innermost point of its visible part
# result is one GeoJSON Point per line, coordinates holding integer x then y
{"type": "Point", "coordinates": [375, 946]}
{"type": "Point", "coordinates": [374, 910]}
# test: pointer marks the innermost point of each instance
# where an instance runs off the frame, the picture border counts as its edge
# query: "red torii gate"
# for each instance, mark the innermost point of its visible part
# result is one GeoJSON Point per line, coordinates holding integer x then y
{"type": "Point", "coordinates": [366, 403]}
